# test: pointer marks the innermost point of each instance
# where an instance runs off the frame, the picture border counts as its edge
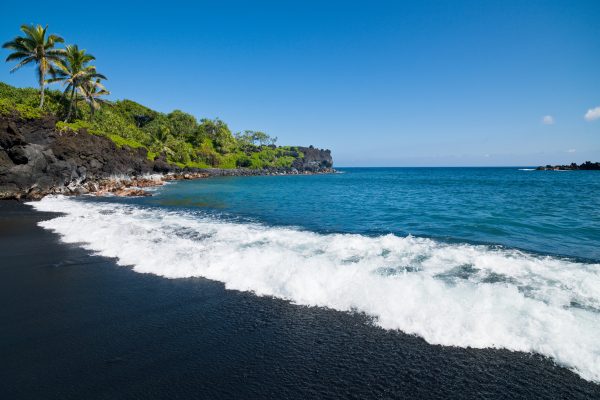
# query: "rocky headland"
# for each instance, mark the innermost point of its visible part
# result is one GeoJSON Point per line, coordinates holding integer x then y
{"type": "Point", "coordinates": [36, 160]}
{"type": "Point", "coordinates": [586, 166]}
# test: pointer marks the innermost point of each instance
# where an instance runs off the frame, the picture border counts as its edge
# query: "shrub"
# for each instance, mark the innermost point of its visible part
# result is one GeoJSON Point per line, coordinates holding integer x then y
{"type": "Point", "coordinates": [228, 161]}
{"type": "Point", "coordinates": [121, 141]}
{"type": "Point", "coordinates": [74, 126]}
{"type": "Point", "coordinates": [181, 152]}
{"type": "Point", "coordinates": [28, 112]}
{"type": "Point", "coordinates": [6, 107]}
{"type": "Point", "coordinates": [108, 121]}
{"type": "Point", "coordinates": [285, 161]}
{"type": "Point", "coordinates": [243, 161]}
{"type": "Point", "coordinates": [136, 113]}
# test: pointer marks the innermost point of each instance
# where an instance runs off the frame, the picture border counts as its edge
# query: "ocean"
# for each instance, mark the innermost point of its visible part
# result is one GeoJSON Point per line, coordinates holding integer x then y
{"type": "Point", "coordinates": [492, 264]}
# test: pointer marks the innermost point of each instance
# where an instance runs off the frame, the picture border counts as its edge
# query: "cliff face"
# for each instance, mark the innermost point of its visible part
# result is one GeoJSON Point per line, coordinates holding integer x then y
{"type": "Point", "coordinates": [36, 160]}
{"type": "Point", "coordinates": [313, 160]}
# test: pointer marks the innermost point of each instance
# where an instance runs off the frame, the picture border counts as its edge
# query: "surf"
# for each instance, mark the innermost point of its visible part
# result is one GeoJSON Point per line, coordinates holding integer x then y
{"type": "Point", "coordinates": [449, 294]}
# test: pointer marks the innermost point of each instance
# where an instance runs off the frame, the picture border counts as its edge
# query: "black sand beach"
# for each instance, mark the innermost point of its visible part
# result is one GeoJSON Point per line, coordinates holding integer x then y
{"type": "Point", "coordinates": [77, 326]}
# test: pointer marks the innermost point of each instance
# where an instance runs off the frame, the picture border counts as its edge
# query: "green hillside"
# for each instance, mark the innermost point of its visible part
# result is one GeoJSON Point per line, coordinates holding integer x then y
{"type": "Point", "coordinates": [177, 135]}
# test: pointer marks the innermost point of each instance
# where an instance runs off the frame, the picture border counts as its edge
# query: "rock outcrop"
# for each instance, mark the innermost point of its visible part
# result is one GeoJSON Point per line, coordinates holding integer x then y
{"type": "Point", "coordinates": [586, 166]}
{"type": "Point", "coordinates": [36, 160]}
{"type": "Point", "coordinates": [314, 159]}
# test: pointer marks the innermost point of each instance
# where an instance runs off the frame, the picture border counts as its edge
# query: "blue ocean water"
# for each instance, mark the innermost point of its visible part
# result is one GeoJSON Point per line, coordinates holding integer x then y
{"type": "Point", "coordinates": [468, 257]}
{"type": "Point", "coordinates": [550, 212]}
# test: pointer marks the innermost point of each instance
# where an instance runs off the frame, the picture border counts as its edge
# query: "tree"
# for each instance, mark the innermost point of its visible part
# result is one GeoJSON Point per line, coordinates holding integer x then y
{"type": "Point", "coordinates": [254, 138]}
{"type": "Point", "coordinates": [245, 140]}
{"type": "Point", "coordinates": [161, 134]}
{"type": "Point", "coordinates": [183, 125]}
{"type": "Point", "coordinates": [218, 132]}
{"type": "Point", "coordinates": [92, 91]}
{"type": "Point", "coordinates": [35, 47]}
{"type": "Point", "coordinates": [262, 138]}
{"type": "Point", "coordinates": [76, 74]}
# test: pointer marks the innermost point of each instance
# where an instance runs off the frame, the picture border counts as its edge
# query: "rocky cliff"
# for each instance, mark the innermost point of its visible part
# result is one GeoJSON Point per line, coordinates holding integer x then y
{"type": "Point", "coordinates": [36, 159]}
{"type": "Point", "coordinates": [313, 160]}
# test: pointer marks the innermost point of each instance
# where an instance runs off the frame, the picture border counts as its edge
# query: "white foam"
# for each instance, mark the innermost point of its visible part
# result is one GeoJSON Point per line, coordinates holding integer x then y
{"type": "Point", "coordinates": [454, 295]}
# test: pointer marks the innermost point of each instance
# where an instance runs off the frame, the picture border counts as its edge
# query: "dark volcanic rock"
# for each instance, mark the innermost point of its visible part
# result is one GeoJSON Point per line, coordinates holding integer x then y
{"type": "Point", "coordinates": [314, 159]}
{"type": "Point", "coordinates": [161, 165]}
{"type": "Point", "coordinates": [99, 156]}
{"type": "Point", "coordinates": [36, 160]}
{"type": "Point", "coordinates": [9, 136]}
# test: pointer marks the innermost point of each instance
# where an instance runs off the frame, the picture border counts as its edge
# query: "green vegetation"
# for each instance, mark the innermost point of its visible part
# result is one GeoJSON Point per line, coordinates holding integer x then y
{"type": "Point", "coordinates": [78, 77]}
{"type": "Point", "coordinates": [76, 126]}
{"type": "Point", "coordinates": [178, 136]}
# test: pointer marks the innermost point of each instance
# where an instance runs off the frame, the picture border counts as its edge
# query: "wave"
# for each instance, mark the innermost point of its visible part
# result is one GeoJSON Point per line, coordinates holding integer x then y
{"type": "Point", "coordinates": [526, 169]}
{"type": "Point", "coordinates": [449, 294]}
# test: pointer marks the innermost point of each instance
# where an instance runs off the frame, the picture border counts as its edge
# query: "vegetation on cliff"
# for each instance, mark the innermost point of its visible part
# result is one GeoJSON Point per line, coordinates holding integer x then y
{"type": "Point", "coordinates": [177, 136]}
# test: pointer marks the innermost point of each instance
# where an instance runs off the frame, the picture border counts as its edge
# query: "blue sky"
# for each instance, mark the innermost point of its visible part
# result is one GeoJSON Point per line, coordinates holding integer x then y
{"type": "Point", "coordinates": [379, 83]}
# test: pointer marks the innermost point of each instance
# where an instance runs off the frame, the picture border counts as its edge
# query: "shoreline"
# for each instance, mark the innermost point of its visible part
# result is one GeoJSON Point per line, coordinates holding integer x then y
{"type": "Point", "coordinates": [131, 186]}
{"type": "Point", "coordinates": [80, 320]}
{"type": "Point", "coordinates": [134, 186]}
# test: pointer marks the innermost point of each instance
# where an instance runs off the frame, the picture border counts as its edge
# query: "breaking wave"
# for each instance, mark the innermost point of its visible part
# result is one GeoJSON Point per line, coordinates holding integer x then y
{"type": "Point", "coordinates": [449, 294]}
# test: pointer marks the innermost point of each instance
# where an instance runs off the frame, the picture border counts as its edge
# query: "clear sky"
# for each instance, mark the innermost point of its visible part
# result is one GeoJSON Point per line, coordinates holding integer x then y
{"type": "Point", "coordinates": [380, 83]}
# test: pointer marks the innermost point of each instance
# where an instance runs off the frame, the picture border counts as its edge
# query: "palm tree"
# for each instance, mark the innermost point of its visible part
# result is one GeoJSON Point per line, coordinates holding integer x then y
{"type": "Point", "coordinates": [35, 47]}
{"type": "Point", "coordinates": [73, 70]}
{"type": "Point", "coordinates": [159, 139]}
{"type": "Point", "coordinates": [92, 92]}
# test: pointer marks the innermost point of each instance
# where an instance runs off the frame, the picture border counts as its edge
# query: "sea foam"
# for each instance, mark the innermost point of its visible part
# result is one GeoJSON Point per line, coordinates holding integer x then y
{"type": "Point", "coordinates": [449, 294]}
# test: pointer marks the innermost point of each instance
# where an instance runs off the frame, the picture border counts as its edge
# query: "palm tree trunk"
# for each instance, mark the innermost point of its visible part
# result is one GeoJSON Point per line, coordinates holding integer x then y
{"type": "Point", "coordinates": [70, 104]}
{"type": "Point", "coordinates": [76, 109]}
{"type": "Point", "coordinates": [42, 87]}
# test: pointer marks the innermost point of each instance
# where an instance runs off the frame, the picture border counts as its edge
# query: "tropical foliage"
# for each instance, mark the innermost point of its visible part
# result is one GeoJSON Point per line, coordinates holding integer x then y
{"type": "Point", "coordinates": [35, 47]}
{"type": "Point", "coordinates": [69, 66]}
{"type": "Point", "coordinates": [79, 78]}
{"type": "Point", "coordinates": [177, 135]}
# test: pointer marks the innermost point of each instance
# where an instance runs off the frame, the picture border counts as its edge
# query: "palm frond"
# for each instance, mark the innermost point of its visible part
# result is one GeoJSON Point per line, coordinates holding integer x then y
{"type": "Point", "coordinates": [16, 44]}
{"type": "Point", "coordinates": [22, 63]}
{"type": "Point", "coordinates": [56, 52]}
{"type": "Point", "coordinates": [18, 55]}
{"type": "Point", "coordinates": [53, 39]}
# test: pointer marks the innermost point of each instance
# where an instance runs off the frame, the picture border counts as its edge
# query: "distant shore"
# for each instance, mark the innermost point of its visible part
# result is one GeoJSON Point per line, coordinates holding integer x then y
{"type": "Point", "coordinates": [586, 166]}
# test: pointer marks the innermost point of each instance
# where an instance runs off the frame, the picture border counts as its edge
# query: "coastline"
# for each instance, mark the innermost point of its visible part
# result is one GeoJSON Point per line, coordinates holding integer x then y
{"type": "Point", "coordinates": [131, 186]}
{"type": "Point", "coordinates": [586, 166]}
{"type": "Point", "coordinates": [78, 321]}
{"type": "Point", "coordinates": [37, 159]}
